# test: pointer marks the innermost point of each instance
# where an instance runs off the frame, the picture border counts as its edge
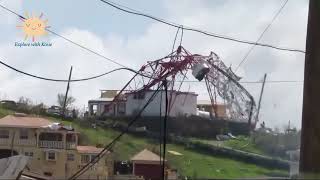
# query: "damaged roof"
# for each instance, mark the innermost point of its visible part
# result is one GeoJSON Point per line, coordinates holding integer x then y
{"type": "Point", "coordinates": [89, 149]}
{"type": "Point", "coordinates": [23, 121]}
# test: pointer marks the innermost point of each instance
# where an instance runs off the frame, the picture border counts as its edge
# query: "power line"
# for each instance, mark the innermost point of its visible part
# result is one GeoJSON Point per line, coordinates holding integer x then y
{"type": "Point", "coordinates": [72, 80]}
{"type": "Point", "coordinates": [128, 69]}
{"type": "Point", "coordinates": [160, 129]}
{"type": "Point", "coordinates": [255, 82]}
{"type": "Point", "coordinates": [108, 146]}
{"type": "Point", "coordinates": [175, 39]}
{"type": "Point", "coordinates": [87, 49]}
{"type": "Point", "coordinates": [69, 40]}
{"type": "Point", "coordinates": [138, 13]}
{"type": "Point", "coordinates": [272, 81]}
{"type": "Point", "coordinates": [165, 128]}
{"type": "Point", "coordinates": [20, 16]}
{"type": "Point", "coordinates": [261, 35]}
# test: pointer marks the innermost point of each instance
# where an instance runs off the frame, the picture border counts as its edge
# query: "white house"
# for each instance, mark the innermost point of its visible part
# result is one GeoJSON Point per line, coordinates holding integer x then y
{"type": "Point", "coordinates": [183, 103]}
{"type": "Point", "coordinates": [102, 106]}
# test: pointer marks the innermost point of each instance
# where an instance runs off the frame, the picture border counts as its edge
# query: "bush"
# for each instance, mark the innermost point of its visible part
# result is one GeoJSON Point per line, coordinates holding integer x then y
{"type": "Point", "coordinates": [277, 144]}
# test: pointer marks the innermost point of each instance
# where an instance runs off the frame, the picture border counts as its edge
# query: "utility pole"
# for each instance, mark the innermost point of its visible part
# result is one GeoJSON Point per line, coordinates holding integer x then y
{"type": "Point", "coordinates": [66, 95]}
{"type": "Point", "coordinates": [260, 98]}
{"type": "Point", "coordinates": [310, 129]}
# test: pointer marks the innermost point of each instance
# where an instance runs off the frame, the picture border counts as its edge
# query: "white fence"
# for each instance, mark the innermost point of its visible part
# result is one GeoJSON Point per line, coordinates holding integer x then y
{"type": "Point", "coordinates": [71, 145]}
{"type": "Point", "coordinates": [51, 144]}
{"type": "Point", "coordinates": [26, 142]}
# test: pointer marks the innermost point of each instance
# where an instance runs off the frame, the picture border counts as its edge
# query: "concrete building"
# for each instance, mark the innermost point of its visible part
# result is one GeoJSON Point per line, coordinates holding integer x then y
{"type": "Point", "coordinates": [53, 148]}
{"type": "Point", "coordinates": [102, 106]}
{"type": "Point", "coordinates": [183, 103]}
{"type": "Point", "coordinates": [147, 165]}
{"type": "Point", "coordinates": [205, 105]}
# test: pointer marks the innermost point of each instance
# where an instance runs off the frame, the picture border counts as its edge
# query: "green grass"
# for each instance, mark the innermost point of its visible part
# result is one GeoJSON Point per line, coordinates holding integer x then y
{"type": "Point", "coordinates": [4, 112]}
{"type": "Point", "coordinates": [244, 144]}
{"type": "Point", "coordinates": [241, 143]}
{"type": "Point", "coordinates": [205, 166]}
{"type": "Point", "coordinates": [191, 163]}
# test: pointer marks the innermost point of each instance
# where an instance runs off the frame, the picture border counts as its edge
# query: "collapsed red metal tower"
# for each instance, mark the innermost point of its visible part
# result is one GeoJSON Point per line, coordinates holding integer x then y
{"type": "Point", "coordinates": [220, 81]}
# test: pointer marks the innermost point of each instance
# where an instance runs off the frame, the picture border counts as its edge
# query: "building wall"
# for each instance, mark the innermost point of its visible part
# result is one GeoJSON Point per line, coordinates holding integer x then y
{"type": "Point", "coordinates": [221, 109]}
{"type": "Point", "coordinates": [148, 171]}
{"type": "Point", "coordinates": [117, 109]}
{"type": "Point", "coordinates": [61, 168]}
{"type": "Point", "coordinates": [184, 104]}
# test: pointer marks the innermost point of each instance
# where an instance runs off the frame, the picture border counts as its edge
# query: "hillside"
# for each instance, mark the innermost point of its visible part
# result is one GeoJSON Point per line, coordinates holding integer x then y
{"type": "Point", "coordinates": [191, 163]}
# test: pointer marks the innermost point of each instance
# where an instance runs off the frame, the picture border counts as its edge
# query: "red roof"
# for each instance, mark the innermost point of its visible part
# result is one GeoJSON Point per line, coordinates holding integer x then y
{"type": "Point", "coordinates": [24, 121]}
{"type": "Point", "coordinates": [146, 155]}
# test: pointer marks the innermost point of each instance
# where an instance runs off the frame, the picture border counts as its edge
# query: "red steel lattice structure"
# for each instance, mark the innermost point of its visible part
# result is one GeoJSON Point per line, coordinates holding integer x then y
{"type": "Point", "coordinates": [221, 82]}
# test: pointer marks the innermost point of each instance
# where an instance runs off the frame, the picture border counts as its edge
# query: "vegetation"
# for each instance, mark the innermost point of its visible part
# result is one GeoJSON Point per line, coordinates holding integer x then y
{"type": "Point", "coordinates": [241, 143]}
{"type": "Point", "coordinates": [4, 112]}
{"type": "Point", "coordinates": [191, 163]}
{"type": "Point", "coordinates": [244, 144]}
{"type": "Point", "coordinates": [69, 101]}
{"type": "Point", "coordinates": [267, 144]}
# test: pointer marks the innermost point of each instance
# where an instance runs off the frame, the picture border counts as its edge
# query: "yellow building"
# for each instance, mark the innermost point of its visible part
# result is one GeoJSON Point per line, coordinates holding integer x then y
{"type": "Point", "coordinates": [53, 149]}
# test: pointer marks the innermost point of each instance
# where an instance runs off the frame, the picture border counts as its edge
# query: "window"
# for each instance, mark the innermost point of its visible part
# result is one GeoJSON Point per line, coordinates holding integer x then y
{"type": "Point", "coordinates": [140, 95]}
{"type": "Point", "coordinates": [50, 137]}
{"type": "Point", "coordinates": [85, 159]}
{"type": "Point", "coordinates": [92, 157]}
{"type": "Point", "coordinates": [47, 173]}
{"type": "Point", "coordinates": [51, 156]}
{"type": "Point", "coordinates": [23, 133]}
{"type": "Point", "coordinates": [71, 138]}
{"type": "Point", "coordinates": [107, 108]}
{"type": "Point", "coordinates": [4, 134]}
{"type": "Point", "coordinates": [70, 157]}
{"type": "Point", "coordinates": [30, 154]}
{"type": "Point", "coordinates": [121, 108]}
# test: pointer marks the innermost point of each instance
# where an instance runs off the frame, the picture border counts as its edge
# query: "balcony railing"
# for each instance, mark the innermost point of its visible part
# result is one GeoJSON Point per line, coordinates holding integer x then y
{"type": "Point", "coordinates": [5, 141]}
{"type": "Point", "coordinates": [26, 142]}
{"type": "Point", "coordinates": [71, 145]}
{"type": "Point", "coordinates": [51, 144]}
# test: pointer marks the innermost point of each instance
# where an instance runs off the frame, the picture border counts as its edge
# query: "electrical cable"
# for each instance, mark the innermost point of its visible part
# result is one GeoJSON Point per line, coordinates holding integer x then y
{"type": "Point", "coordinates": [134, 71]}
{"type": "Point", "coordinates": [85, 48]}
{"type": "Point", "coordinates": [261, 35]}
{"type": "Point", "coordinates": [160, 128]}
{"type": "Point", "coordinates": [175, 39]}
{"type": "Point", "coordinates": [165, 129]}
{"type": "Point", "coordinates": [254, 82]}
{"type": "Point", "coordinates": [135, 12]}
{"type": "Point", "coordinates": [63, 80]}
{"type": "Point", "coordinates": [108, 146]}
{"type": "Point", "coordinates": [181, 37]}
{"type": "Point", "coordinates": [74, 80]}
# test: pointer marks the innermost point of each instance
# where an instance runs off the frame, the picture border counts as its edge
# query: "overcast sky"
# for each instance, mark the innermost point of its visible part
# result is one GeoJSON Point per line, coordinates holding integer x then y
{"type": "Point", "coordinates": [133, 40]}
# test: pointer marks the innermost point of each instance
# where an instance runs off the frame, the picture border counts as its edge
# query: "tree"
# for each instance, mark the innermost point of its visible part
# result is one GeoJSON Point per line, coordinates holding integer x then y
{"type": "Point", "coordinates": [69, 100]}
{"type": "Point", "coordinates": [24, 101]}
{"type": "Point", "coordinates": [24, 104]}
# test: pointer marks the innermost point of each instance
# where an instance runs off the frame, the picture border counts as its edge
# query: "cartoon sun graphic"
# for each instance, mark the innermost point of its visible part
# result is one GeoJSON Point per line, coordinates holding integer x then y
{"type": "Point", "coordinates": [33, 26]}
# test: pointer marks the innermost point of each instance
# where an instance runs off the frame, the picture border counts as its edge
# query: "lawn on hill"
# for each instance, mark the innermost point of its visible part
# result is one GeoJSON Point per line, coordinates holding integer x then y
{"type": "Point", "coordinates": [191, 163]}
